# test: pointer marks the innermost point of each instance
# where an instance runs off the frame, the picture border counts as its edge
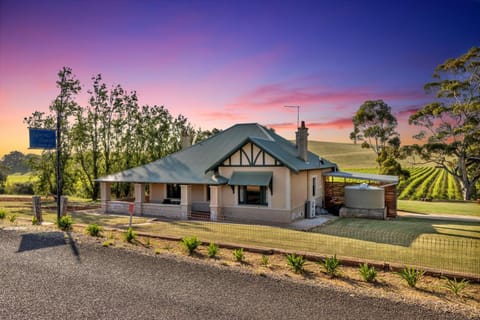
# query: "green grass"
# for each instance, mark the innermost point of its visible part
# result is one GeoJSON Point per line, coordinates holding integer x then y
{"type": "Point", "coordinates": [19, 178]}
{"type": "Point", "coordinates": [345, 155]}
{"type": "Point", "coordinates": [440, 207]}
{"type": "Point", "coordinates": [425, 243]}
{"type": "Point", "coordinates": [446, 245]}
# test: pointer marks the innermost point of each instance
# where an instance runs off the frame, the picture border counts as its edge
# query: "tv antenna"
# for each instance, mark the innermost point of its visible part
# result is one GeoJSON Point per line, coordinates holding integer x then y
{"type": "Point", "coordinates": [298, 114]}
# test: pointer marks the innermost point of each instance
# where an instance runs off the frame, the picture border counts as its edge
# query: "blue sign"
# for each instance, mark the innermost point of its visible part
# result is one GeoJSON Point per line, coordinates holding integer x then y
{"type": "Point", "coordinates": [42, 138]}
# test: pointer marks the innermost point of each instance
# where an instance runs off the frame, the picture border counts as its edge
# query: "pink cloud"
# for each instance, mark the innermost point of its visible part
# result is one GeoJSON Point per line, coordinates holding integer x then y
{"type": "Point", "coordinates": [407, 112]}
{"type": "Point", "coordinates": [221, 115]}
{"type": "Point", "coordinates": [337, 124]}
{"type": "Point", "coordinates": [279, 94]}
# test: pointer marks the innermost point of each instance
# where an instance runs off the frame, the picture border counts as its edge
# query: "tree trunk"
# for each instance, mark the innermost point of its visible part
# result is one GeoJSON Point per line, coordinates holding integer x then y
{"type": "Point", "coordinates": [467, 189]}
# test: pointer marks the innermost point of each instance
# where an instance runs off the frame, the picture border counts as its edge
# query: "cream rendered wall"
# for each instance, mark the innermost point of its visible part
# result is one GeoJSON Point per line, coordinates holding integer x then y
{"type": "Point", "coordinates": [299, 187]}
{"type": "Point", "coordinates": [279, 181]}
{"type": "Point", "coordinates": [198, 193]}
{"type": "Point", "coordinates": [157, 192]}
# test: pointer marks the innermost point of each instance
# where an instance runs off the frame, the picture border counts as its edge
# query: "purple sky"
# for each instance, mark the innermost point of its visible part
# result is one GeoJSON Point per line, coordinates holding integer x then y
{"type": "Point", "coordinates": [224, 62]}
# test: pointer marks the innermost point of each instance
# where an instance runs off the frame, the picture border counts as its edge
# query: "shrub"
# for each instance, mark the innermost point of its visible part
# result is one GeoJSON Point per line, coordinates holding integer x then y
{"type": "Point", "coordinates": [107, 243]}
{"type": "Point", "coordinates": [148, 242]}
{"type": "Point", "coordinates": [3, 213]}
{"type": "Point", "coordinates": [191, 244]}
{"type": "Point", "coordinates": [238, 255]}
{"type": "Point", "coordinates": [65, 223]}
{"type": "Point", "coordinates": [34, 221]}
{"type": "Point", "coordinates": [212, 250]}
{"type": "Point", "coordinates": [129, 235]}
{"type": "Point", "coordinates": [12, 218]}
{"type": "Point", "coordinates": [296, 262]}
{"type": "Point", "coordinates": [369, 274]}
{"type": "Point", "coordinates": [411, 275]}
{"type": "Point", "coordinates": [265, 261]}
{"type": "Point", "coordinates": [19, 188]}
{"type": "Point", "coordinates": [331, 265]}
{"type": "Point", "coordinates": [94, 230]}
{"type": "Point", "coordinates": [158, 251]}
{"type": "Point", "coordinates": [455, 286]}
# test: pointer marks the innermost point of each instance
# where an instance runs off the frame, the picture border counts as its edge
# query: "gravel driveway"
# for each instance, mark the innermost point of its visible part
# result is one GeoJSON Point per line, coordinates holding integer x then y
{"type": "Point", "coordinates": [46, 275]}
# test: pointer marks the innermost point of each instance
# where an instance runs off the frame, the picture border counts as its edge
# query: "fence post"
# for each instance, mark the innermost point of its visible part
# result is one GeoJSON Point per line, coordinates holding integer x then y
{"type": "Point", "coordinates": [37, 209]}
{"type": "Point", "coordinates": [63, 205]}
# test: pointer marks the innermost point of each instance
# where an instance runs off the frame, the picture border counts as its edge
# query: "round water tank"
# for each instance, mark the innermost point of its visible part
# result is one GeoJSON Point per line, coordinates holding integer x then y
{"type": "Point", "coordinates": [364, 196]}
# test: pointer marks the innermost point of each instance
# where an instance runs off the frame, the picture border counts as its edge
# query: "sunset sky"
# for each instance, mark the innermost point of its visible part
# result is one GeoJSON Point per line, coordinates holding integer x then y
{"type": "Point", "coordinates": [221, 62]}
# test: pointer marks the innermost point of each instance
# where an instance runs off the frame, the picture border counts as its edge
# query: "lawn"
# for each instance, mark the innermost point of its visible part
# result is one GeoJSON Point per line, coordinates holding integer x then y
{"type": "Point", "coordinates": [425, 243]}
{"type": "Point", "coordinates": [440, 207]}
{"type": "Point", "coordinates": [19, 178]}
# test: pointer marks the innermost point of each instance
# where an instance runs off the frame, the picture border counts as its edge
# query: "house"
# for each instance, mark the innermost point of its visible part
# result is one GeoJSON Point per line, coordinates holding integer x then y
{"type": "Point", "coordinates": [245, 173]}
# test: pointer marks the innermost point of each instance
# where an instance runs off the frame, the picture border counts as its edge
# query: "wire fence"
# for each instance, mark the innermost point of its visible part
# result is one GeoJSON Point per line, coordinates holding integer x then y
{"type": "Point", "coordinates": [422, 250]}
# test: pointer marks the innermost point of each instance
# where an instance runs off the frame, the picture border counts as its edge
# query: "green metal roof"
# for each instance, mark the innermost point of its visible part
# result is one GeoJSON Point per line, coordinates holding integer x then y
{"type": "Point", "coordinates": [251, 178]}
{"type": "Point", "coordinates": [197, 164]}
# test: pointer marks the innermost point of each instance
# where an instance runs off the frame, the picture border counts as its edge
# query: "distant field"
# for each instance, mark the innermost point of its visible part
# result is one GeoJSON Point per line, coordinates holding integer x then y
{"type": "Point", "coordinates": [19, 178]}
{"type": "Point", "coordinates": [345, 155]}
{"type": "Point", "coordinates": [424, 182]}
{"type": "Point", "coordinates": [441, 207]}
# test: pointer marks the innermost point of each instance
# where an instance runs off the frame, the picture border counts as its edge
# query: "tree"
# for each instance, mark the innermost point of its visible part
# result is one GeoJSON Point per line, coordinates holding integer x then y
{"type": "Point", "coordinates": [451, 124]}
{"type": "Point", "coordinates": [15, 162]}
{"type": "Point", "coordinates": [64, 103]}
{"type": "Point", "coordinates": [375, 125]}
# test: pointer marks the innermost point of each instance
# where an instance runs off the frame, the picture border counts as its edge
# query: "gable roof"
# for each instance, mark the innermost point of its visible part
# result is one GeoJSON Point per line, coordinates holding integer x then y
{"type": "Point", "coordinates": [196, 164]}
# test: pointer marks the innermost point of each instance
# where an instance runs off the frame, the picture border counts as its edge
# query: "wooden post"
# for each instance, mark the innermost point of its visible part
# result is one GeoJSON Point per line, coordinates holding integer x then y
{"type": "Point", "coordinates": [63, 205]}
{"type": "Point", "coordinates": [37, 209]}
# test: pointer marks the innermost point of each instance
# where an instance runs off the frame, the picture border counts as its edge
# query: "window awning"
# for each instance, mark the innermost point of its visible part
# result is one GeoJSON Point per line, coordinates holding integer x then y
{"type": "Point", "coordinates": [251, 178]}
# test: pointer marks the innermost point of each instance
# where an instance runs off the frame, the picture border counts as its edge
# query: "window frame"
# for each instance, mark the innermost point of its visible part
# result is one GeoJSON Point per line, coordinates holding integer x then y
{"type": "Point", "coordinates": [174, 189]}
{"type": "Point", "coordinates": [244, 196]}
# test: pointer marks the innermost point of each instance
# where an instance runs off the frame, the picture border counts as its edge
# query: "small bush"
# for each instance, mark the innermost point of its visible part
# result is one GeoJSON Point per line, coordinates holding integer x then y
{"type": "Point", "coordinates": [34, 221]}
{"type": "Point", "coordinates": [296, 262]}
{"type": "Point", "coordinates": [65, 223]}
{"type": "Point", "coordinates": [158, 251]}
{"type": "Point", "coordinates": [107, 243]}
{"type": "Point", "coordinates": [265, 261]}
{"type": "Point", "coordinates": [129, 235]}
{"type": "Point", "coordinates": [369, 274]}
{"type": "Point", "coordinates": [411, 276]}
{"type": "Point", "coordinates": [455, 286]}
{"type": "Point", "coordinates": [148, 242]}
{"type": "Point", "coordinates": [3, 213]}
{"type": "Point", "coordinates": [238, 255]}
{"type": "Point", "coordinates": [94, 230]}
{"type": "Point", "coordinates": [212, 250]}
{"type": "Point", "coordinates": [191, 244]}
{"type": "Point", "coordinates": [12, 218]}
{"type": "Point", "coordinates": [331, 265]}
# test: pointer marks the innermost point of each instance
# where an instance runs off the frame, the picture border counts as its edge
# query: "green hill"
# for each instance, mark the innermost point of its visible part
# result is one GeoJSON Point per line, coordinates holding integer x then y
{"type": "Point", "coordinates": [345, 155]}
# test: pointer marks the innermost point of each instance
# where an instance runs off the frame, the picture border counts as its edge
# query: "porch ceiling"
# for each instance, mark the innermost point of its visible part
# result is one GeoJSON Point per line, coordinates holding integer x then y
{"type": "Point", "coordinates": [363, 176]}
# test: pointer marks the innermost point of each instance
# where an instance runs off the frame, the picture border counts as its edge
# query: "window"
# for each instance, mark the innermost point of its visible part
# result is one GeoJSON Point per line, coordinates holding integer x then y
{"type": "Point", "coordinates": [314, 186]}
{"type": "Point", "coordinates": [208, 192]}
{"type": "Point", "coordinates": [252, 195]}
{"type": "Point", "coordinates": [173, 191]}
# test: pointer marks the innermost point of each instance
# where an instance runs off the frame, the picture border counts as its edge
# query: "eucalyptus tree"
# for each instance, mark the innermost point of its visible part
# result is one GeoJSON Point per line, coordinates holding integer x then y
{"type": "Point", "coordinates": [451, 124]}
{"type": "Point", "coordinates": [64, 105]}
{"type": "Point", "coordinates": [375, 125]}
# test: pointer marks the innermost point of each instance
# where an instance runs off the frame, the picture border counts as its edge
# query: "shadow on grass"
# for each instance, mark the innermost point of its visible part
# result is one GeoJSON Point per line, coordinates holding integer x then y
{"type": "Point", "coordinates": [401, 232]}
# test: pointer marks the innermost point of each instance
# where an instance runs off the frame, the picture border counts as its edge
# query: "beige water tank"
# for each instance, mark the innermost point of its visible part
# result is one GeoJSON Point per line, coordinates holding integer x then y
{"type": "Point", "coordinates": [364, 196]}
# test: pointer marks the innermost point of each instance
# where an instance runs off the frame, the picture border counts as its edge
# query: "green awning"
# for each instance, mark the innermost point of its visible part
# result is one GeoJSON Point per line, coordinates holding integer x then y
{"type": "Point", "coordinates": [251, 178]}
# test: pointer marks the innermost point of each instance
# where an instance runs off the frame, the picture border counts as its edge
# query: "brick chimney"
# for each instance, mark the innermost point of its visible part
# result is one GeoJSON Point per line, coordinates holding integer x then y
{"type": "Point", "coordinates": [302, 142]}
